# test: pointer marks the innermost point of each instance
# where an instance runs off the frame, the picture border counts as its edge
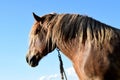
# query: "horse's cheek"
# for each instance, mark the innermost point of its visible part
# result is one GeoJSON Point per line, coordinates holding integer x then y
{"type": "Point", "coordinates": [40, 45]}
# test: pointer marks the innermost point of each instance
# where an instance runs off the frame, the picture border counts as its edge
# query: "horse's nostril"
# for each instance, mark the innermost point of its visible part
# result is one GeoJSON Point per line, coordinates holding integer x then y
{"type": "Point", "coordinates": [33, 59]}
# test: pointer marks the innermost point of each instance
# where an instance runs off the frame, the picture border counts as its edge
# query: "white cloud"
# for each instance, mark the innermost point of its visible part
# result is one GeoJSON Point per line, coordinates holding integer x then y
{"type": "Point", "coordinates": [42, 77]}
{"type": "Point", "coordinates": [49, 77]}
{"type": "Point", "coordinates": [70, 71]}
{"type": "Point", "coordinates": [71, 75]}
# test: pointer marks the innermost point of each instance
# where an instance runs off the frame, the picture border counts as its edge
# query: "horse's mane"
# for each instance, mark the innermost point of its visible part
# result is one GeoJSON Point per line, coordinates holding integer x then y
{"type": "Point", "coordinates": [64, 27]}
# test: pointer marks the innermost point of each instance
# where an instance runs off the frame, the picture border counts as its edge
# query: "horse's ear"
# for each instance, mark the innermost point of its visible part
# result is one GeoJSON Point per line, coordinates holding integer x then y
{"type": "Point", "coordinates": [37, 18]}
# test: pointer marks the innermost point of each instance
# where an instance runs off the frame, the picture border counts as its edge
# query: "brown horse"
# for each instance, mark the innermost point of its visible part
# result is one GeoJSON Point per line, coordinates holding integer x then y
{"type": "Point", "coordinates": [92, 46]}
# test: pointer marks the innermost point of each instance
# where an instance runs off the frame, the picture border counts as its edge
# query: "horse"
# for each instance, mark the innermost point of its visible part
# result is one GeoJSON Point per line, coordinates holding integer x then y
{"type": "Point", "coordinates": [92, 46]}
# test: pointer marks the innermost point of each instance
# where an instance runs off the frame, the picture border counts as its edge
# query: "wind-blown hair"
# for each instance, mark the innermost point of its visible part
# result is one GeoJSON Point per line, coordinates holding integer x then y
{"type": "Point", "coordinates": [64, 27]}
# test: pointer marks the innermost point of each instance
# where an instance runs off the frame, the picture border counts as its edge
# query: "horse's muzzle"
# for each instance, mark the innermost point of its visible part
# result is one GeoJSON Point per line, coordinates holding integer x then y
{"type": "Point", "coordinates": [32, 60]}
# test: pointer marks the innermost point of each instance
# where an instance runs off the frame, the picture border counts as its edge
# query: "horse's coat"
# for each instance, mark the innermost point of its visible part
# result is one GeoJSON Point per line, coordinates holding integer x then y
{"type": "Point", "coordinates": [92, 46]}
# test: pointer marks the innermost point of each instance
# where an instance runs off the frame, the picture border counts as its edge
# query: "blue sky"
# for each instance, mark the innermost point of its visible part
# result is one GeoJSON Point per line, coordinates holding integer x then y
{"type": "Point", "coordinates": [16, 21]}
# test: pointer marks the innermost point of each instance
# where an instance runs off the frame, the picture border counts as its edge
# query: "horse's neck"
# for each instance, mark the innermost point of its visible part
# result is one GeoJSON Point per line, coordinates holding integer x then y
{"type": "Point", "coordinates": [70, 49]}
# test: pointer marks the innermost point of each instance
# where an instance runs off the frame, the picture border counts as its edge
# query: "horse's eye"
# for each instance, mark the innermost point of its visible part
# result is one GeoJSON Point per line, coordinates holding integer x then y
{"type": "Point", "coordinates": [37, 30]}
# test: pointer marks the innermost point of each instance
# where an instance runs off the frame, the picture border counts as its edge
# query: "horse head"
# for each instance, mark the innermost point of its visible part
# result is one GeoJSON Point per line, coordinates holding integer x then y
{"type": "Point", "coordinates": [40, 43]}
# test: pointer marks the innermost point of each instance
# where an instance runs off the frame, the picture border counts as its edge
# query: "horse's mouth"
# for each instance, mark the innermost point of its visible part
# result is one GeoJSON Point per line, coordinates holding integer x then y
{"type": "Point", "coordinates": [32, 61]}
